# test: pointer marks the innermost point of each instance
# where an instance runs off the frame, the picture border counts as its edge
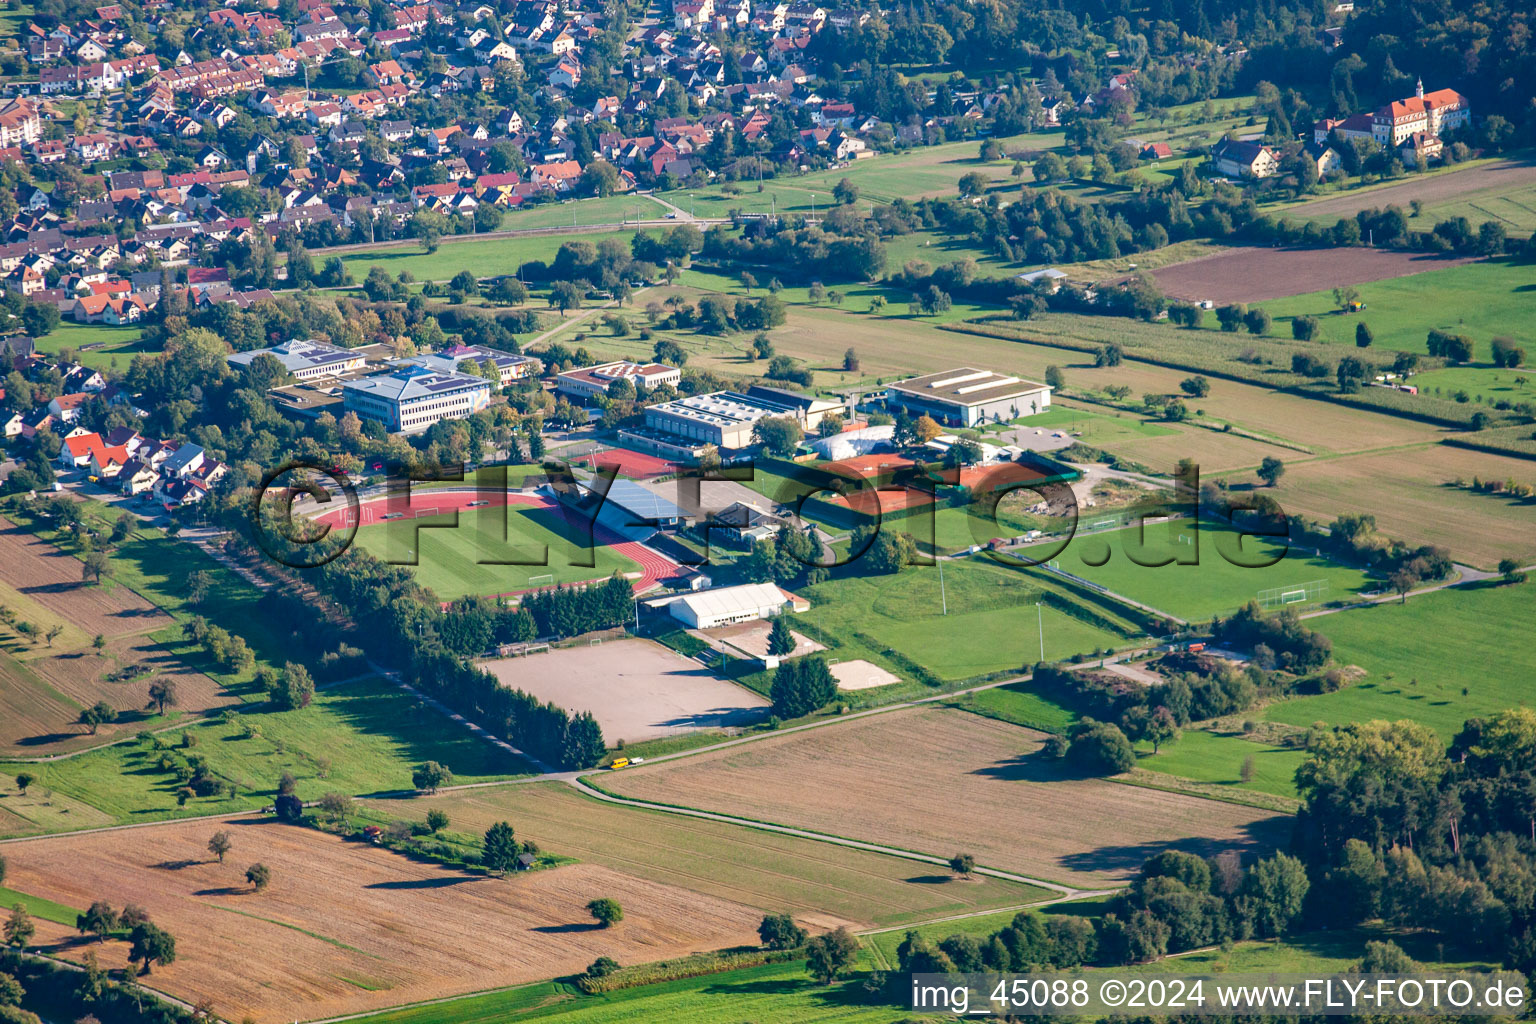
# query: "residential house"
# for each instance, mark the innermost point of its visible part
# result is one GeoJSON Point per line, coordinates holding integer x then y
{"type": "Point", "coordinates": [1245, 159]}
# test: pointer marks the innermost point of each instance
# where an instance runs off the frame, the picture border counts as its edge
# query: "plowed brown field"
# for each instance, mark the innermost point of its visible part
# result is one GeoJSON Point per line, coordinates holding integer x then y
{"type": "Point", "coordinates": [52, 578]}
{"type": "Point", "coordinates": [940, 780]}
{"type": "Point", "coordinates": [346, 927]}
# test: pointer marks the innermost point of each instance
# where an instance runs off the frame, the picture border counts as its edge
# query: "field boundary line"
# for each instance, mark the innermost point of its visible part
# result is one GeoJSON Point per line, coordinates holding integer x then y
{"type": "Point", "coordinates": [424, 1002]}
{"type": "Point", "coordinates": [823, 837]}
{"type": "Point", "coordinates": [1085, 894]}
{"type": "Point", "coordinates": [1141, 782]}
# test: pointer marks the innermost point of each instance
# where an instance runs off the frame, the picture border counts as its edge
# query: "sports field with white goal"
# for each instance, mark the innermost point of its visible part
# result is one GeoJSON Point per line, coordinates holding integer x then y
{"type": "Point", "coordinates": [541, 547]}
{"type": "Point", "coordinates": [1123, 559]}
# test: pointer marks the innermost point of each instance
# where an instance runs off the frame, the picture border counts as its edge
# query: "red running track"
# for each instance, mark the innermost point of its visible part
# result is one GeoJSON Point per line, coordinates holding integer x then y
{"type": "Point", "coordinates": [653, 566]}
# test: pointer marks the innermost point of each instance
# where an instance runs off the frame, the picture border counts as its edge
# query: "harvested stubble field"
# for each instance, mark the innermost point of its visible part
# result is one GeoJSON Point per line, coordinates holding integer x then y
{"type": "Point", "coordinates": [1319, 425]}
{"type": "Point", "coordinates": [347, 927]}
{"type": "Point", "coordinates": [938, 780]}
{"type": "Point", "coordinates": [822, 885]}
{"type": "Point", "coordinates": [1484, 185]}
{"type": "Point", "coordinates": [51, 577]}
{"type": "Point", "coordinates": [41, 700]}
{"type": "Point", "coordinates": [1253, 274]}
{"type": "Point", "coordinates": [1405, 490]}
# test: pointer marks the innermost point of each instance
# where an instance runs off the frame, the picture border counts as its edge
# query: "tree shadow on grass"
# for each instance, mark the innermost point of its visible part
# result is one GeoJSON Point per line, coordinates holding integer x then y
{"type": "Point", "coordinates": [928, 879]}
{"type": "Point", "coordinates": [1258, 839]}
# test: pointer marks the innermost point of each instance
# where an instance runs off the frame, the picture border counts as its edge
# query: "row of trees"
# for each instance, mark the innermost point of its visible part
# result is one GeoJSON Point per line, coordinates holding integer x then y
{"type": "Point", "coordinates": [1397, 826]}
{"type": "Point", "coordinates": [433, 644]}
{"type": "Point", "coordinates": [1178, 901]}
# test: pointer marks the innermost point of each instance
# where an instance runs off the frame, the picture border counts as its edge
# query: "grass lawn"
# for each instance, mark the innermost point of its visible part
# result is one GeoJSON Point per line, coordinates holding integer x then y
{"type": "Point", "coordinates": [578, 212]}
{"type": "Point", "coordinates": [1209, 757]}
{"type": "Point", "coordinates": [38, 907]}
{"type": "Point", "coordinates": [1020, 705]}
{"type": "Point", "coordinates": [448, 559]}
{"type": "Point", "coordinates": [1217, 583]}
{"type": "Point", "coordinates": [772, 994]}
{"type": "Point", "coordinates": [988, 626]}
{"type": "Point", "coordinates": [96, 345]}
{"type": "Point", "coordinates": [1481, 300]}
{"type": "Point", "coordinates": [958, 528]}
{"type": "Point", "coordinates": [1488, 382]}
{"type": "Point", "coordinates": [486, 257]}
{"type": "Point", "coordinates": [1417, 657]}
{"type": "Point", "coordinates": [856, 298]}
{"type": "Point", "coordinates": [1097, 428]}
{"type": "Point", "coordinates": [1322, 952]}
{"type": "Point", "coordinates": [357, 738]}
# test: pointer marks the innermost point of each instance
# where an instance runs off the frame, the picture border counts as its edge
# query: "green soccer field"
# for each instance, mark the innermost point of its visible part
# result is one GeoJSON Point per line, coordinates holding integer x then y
{"type": "Point", "coordinates": [1216, 585]}
{"type": "Point", "coordinates": [452, 560]}
{"type": "Point", "coordinates": [981, 619]}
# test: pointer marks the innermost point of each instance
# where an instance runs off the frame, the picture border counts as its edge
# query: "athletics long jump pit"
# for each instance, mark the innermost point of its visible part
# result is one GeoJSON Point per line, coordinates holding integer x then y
{"type": "Point", "coordinates": [637, 690]}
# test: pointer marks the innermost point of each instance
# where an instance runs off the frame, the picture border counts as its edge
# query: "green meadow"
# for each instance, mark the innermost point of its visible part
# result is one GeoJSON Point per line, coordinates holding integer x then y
{"type": "Point", "coordinates": [1229, 573]}
{"type": "Point", "coordinates": [1482, 300]}
{"type": "Point", "coordinates": [979, 618]}
{"type": "Point", "coordinates": [1419, 663]}
{"type": "Point", "coordinates": [1211, 757]}
{"type": "Point", "coordinates": [362, 737]}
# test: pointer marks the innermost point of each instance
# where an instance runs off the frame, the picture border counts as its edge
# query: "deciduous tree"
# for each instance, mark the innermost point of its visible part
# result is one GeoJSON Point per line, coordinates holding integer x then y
{"type": "Point", "coordinates": [606, 911]}
{"type": "Point", "coordinates": [829, 955]}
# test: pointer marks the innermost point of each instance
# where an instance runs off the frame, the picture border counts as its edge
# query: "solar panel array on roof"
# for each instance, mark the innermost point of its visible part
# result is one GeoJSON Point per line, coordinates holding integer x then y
{"type": "Point", "coordinates": [641, 503]}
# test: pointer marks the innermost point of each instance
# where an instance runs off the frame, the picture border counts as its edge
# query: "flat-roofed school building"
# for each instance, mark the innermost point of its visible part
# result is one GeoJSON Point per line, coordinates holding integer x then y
{"type": "Point", "coordinates": [413, 398]}
{"type": "Point", "coordinates": [966, 397]}
{"type": "Point", "coordinates": [306, 360]}
{"type": "Point", "coordinates": [591, 381]}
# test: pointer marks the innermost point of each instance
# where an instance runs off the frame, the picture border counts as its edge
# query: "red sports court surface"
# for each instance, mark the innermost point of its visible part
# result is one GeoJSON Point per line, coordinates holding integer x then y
{"type": "Point", "coordinates": [886, 496]}
{"type": "Point", "coordinates": [653, 566]}
{"type": "Point", "coordinates": [635, 465]}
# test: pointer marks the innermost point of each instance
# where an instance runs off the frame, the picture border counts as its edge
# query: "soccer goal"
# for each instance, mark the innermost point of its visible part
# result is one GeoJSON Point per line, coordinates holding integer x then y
{"type": "Point", "coordinates": [423, 513]}
{"type": "Point", "coordinates": [546, 580]}
{"type": "Point", "coordinates": [1297, 593]}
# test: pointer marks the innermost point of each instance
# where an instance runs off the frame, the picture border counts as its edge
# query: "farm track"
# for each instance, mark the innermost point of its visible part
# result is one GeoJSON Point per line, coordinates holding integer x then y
{"type": "Point", "coordinates": [1066, 891]}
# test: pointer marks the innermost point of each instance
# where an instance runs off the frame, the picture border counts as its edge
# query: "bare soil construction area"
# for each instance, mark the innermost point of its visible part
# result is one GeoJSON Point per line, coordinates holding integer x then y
{"type": "Point", "coordinates": [1252, 274]}
{"type": "Point", "coordinates": [52, 578]}
{"type": "Point", "coordinates": [636, 689]}
{"type": "Point", "coordinates": [346, 927]}
{"type": "Point", "coordinates": [938, 780]}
